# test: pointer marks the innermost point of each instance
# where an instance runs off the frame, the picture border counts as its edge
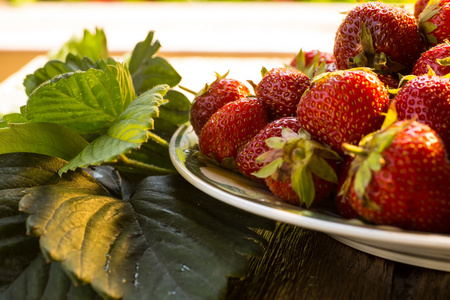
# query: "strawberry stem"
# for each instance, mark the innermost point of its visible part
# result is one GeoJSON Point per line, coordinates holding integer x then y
{"type": "Point", "coordinates": [354, 149]}
{"type": "Point", "coordinates": [187, 90]}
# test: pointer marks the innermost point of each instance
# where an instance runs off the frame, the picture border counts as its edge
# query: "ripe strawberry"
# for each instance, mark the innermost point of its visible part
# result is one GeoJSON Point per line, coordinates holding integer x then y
{"type": "Point", "coordinates": [214, 96]}
{"type": "Point", "coordinates": [231, 127]}
{"type": "Point", "coordinates": [246, 159]}
{"type": "Point", "coordinates": [390, 81]}
{"type": "Point", "coordinates": [402, 178]}
{"type": "Point", "coordinates": [313, 62]}
{"type": "Point", "coordinates": [427, 97]}
{"type": "Point", "coordinates": [419, 6]}
{"type": "Point", "coordinates": [436, 58]}
{"type": "Point", "coordinates": [378, 35]}
{"type": "Point", "coordinates": [280, 90]}
{"type": "Point", "coordinates": [343, 204]}
{"type": "Point", "coordinates": [434, 22]}
{"type": "Point", "coordinates": [298, 169]}
{"type": "Point", "coordinates": [343, 106]}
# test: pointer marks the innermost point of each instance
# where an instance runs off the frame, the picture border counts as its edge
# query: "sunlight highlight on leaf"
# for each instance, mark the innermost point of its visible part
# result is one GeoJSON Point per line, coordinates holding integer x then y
{"type": "Point", "coordinates": [86, 101]}
{"type": "Point", "coordinates": [127, 132]}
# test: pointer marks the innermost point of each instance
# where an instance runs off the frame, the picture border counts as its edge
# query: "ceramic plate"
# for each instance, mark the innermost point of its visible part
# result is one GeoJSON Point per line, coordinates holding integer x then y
{"type": "Point", "coordinates": [415, 248]}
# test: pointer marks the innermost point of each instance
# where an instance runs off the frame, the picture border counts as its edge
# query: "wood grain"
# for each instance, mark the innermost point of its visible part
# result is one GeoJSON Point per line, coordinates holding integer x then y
{"type": "Point", "coordinates": [303, 264]}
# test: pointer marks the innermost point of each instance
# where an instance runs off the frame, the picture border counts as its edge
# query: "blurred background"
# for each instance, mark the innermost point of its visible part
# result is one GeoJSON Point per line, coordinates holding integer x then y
{"type": "Point", "coordinates": [197, 37]}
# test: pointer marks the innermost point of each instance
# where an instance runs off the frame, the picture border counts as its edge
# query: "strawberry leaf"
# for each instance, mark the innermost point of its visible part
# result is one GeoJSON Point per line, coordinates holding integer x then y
{"type": "Point", "coordinates": [127, 132]}
{"type": "Point", "coordinates": [275, 142]}
{"type": "Point", "coordinates": [303, 184]}
{"type": "Point", "coordinates": [57, 67]}
{"type": "Point", "coordinates": [148, 70]}
{"type": "Point", "coordinates": [44, 138]}
{"type": "Point", "coordinates": [168, 239]}
{"type": "Point", "coordinates": [47, 281]}
{"type": "Point", "coordinates": [92, 45]}
{"type": "Point", "coordinates": [269, 169]}
{"type": "Point", "coordinates": [375, 161]}
{"type": "Point", "coordinates": [86, 101]}
{"type": "Point", "coordinates": [362, 179]}
{"type": "Point", "coordinates": [320, 167]}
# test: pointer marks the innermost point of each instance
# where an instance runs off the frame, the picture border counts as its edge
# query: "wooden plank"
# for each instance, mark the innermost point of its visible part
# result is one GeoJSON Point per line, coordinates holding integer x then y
{"type": "Point", "coordinates": [303, 264]}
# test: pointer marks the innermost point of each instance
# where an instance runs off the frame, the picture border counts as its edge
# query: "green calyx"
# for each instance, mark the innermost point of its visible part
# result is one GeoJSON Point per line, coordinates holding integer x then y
{"type": "Point", "coordinates": [205, 89]}
{"type": "Point", "coordinates": [296, 157]}
{"type": "Point", "coordinates": [368, 156]}
{"type": "Point", "coordinates": [314, 69]}
{"type": "Point", "coordinates": [445, 62]}
{"type": "Point", "coordinates": [370, 57]}
{"type": "Point", "coordinates": [425, 27]}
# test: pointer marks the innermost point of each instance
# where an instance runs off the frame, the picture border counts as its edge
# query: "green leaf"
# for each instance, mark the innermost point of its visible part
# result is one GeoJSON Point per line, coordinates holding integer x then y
{"type": "Point", "coordinates": [390, 118]}
{"type": "Point", "coordinates": [127, 132]}
{"type": "Point", "coordinates": [362, 179]}
{"type": "Point", "coordinates": [148, 70]}
{"type": "Point", "coordinates": [86, 102]}
{"type": "Point", "coordinates": [176, 111]}
{"type": "Point", "coordinates": [375, 161]}
{"type": "Point", "coordinates": [14, 118]}
{"type": "Point", "coordinates": [44, 138]}
{"type": "Point", "coordinates": [143, 50]}
{"type": "Point", "coordinates": [18, 172]}
{"type": "Point", "coordinates": [92, 45]}
{"type": "Point", "coordinates": [275, 142]}
{"type": "Point", "coordinates": [42, 280]}
{"type": "Point", "coordinates": [319, 166]}
{"type": "Point", "coordinates": [303, 184]}
{"type": "Point", "coordinates": [269, 169]}
{"type": "Point", "coordinates": [41, 75]}
{"type": "Point", "coordinates": [56, 67]}
{"type": "Point", "coordinates": [170, 239]}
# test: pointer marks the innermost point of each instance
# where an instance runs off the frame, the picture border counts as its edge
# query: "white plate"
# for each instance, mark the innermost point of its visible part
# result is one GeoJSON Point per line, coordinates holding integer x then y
{"type": "Point", "coordinates": [414, 248]}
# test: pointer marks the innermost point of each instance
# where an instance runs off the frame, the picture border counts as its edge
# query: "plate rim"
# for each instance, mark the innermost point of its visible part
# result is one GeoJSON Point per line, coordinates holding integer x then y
{"type": "Point", "coordinates": [365, 232]}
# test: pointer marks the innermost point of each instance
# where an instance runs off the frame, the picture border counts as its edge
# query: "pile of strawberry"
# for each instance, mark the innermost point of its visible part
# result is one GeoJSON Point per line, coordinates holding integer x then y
{"type": "Point", "coordinates": [365, 128]}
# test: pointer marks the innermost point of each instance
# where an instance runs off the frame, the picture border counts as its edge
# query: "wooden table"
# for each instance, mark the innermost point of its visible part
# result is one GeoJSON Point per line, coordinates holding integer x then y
{"type": "Point", "coordinates": [298, 263]}
{"type": "Point", "coordinates": [304, 264]}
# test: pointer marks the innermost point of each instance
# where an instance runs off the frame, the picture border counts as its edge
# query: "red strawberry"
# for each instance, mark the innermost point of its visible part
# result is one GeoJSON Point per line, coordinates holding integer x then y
{"type": "Point", "coordinates": [427, 98]}
{"type": "Point", "coordinates": [246, 159]}
{"type": "Point", "coordinates": [298, 169]}
{"type": "Point", "coordinates": [378, 35]}
{"type": "Point", "coordinates": [214, 96]}
{"type": "Point", "coordinates": [343, 106]}
{"type": "Point", "coordinates": [390, 81]}
{"type": "Point", "coordinates": [231, 127]}
{"type": "Point", "coordinates": [434, 22]}
{"type": "Point", "coordinates": [436, 58]}
{"type": "Point", "coordinates": [313, 62]}
{"type": "Point", "coordinates": [343, 204]}
{"type": "Point", "coordinates": [419, 6]}
{"type": "Point", "coordinates": [402, 178]}
{"type": "Point", "coordinates": [280, 90]}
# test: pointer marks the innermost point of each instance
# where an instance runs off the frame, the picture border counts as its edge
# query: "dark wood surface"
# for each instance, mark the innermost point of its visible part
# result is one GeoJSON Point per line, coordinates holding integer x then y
{"type": "Point", "coordinates": [304, 264]}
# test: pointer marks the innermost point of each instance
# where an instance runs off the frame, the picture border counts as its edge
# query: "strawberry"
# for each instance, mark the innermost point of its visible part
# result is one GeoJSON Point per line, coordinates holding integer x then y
{"type": "Point", "coordinates": [378, 35]}
{"type": "Point", "coordinates": [401, 177]}
{"type": "Point", "coordinates": [231, 127]}
{"type": "Point", "coordinates": [419, 6]}
{"type": "Point", "coordinates": [246, 159]}
{"type": "Point", "coordinates": [437, 58]}
{"type": "Point", "coordinates": [343, 106]}
{"type": "Point", "coordinates": [427, 98]}
{"type": "Point", "coordinates": [214, 96]}
{"type": "Point", "coordinates": [390, 81]}
{"type": "Point", "coordinates": [343, 204]}
{"type": "Point", "coordinates": [434, 22]}
{"type": "Point", "coordinates": [297, 169]}
{"type": "Point", "coordinates": [280, 90]}
{"type": "Point", "coordinates": [313, 62]}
